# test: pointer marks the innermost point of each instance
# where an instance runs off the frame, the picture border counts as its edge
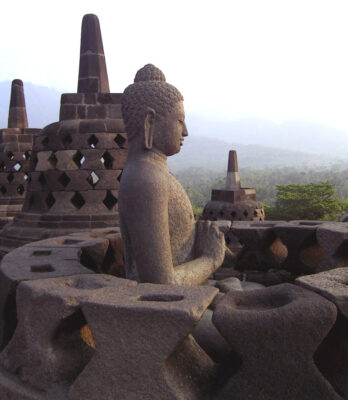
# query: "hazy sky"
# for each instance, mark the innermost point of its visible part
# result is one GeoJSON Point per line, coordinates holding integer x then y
{"type": "Point", "coordinates": [276, 59]}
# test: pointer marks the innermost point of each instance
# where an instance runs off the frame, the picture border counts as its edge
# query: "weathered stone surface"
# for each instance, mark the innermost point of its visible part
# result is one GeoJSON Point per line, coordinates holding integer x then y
{"type": "Point", "coordinates": [333, 238]}
{"type": "Point", "coordinates": [50, 344]}
{"type": "Point", "coordinates": [262, 249]}
{"type": "Point", "coordinates": [143, 349]}
{"type": "Point", "coordinates": [163, 244]}
{"type": "Point", "coordinates": [331, 284]}
{"type": "Point", "coordinates": [209, 338]}
{"type": "Point", "coordinates": [304, 252]}
{"type": "Point", "coordinates": [100, 250]}
{"type": "Point", "coordinates": [31, 263]}
{"type": "Point", "coordinates": [228, 284]}
{"type": "Point", "coordinates": [287, 321]}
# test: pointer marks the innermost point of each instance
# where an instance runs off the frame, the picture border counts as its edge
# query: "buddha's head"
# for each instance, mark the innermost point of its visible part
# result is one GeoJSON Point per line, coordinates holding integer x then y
{"type": "Point", "coordinates": [153, 112]}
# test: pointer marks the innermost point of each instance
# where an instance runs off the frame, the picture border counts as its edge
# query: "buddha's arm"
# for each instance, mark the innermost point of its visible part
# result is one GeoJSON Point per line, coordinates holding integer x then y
{"type": "Point", "coordinates": [210, 249]}
{"type": "Point", "coordinates": [148, 230]}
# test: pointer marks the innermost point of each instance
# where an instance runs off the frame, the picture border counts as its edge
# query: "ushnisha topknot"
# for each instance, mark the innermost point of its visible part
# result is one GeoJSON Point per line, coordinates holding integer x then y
{"type": "Point", "coordinates": [149, 73]}
{"type": "Point", "coordinates": [149, 90]}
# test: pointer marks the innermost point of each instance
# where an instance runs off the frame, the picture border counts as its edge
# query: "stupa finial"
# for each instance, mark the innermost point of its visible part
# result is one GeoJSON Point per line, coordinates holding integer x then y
{"type": "Point", "coordinates": [17, 115]}
{"type": "Point", "coordinates": [93, 76]}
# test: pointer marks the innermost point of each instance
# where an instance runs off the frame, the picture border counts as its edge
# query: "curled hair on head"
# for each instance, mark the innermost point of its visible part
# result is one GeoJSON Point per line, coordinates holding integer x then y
{"type": "Point", "coordinates": [149, 90]}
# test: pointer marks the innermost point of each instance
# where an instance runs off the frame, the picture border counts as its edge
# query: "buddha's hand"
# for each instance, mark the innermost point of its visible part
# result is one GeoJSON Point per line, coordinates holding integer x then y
{"type": "Point", "coordinates": [210, 242]}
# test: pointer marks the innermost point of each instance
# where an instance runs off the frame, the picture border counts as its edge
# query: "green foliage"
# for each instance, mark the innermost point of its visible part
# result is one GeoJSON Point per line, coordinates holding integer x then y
{"type": "Point", "coordinates": [305, 201]}
{"type": "Point", "coordinates": [199, 183]}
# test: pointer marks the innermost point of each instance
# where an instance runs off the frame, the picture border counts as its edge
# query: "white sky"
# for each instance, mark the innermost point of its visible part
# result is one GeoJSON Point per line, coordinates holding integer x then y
{"type": "Point", "coordinates": [276, 59]}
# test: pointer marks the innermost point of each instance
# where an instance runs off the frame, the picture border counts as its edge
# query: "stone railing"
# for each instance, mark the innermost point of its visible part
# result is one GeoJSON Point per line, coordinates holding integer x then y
{"type": "Point", "coordinates": [71, 330]}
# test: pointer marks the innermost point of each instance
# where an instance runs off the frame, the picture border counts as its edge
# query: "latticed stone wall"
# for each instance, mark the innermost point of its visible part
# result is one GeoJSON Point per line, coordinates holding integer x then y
{"type": "Point", "coordinates": [76, 163]}
{"type": "Point", "coordinates": [15, 151]}
{"type": "Point", "coordinates": [76, 166]}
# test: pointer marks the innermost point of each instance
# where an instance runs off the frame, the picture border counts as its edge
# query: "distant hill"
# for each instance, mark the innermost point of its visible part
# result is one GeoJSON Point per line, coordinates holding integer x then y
{"type": "Point", "coordinates": [42, 104]}
{"type": "Point", "coordinates": [260, 143]}
{"type": "Point", "coordinates": [294, 135]}
{"type": "Point", "coordinates": [212, 154]}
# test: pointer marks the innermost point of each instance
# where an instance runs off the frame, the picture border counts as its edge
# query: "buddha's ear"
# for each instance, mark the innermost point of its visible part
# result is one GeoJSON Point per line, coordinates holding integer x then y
{"type": "Point", "coordinates": [149, 125]}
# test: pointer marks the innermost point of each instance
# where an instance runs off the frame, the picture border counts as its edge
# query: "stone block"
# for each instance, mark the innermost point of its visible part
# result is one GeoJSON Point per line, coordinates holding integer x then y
{"type": "Point", "coordinates": [290, 323]}
{"type": "Point", "coordinates": [52, 342]}
{"type": "Point", "coordinates": [153, 323]}
{"type": "Point", "coordinates": [92, 126]}
{"type": "Point", "coordinates": [333, 238]}
{"type": "Point", "coordinates": [67, 112]}
{"type": "Point", "coordinates": [96, 112]}
{"type": "Point", "coordinates": [304, 252]}
{"type": "Point", "coordinates": [332, 284]}
{"type": "Point", "coordinates": [71, 98]}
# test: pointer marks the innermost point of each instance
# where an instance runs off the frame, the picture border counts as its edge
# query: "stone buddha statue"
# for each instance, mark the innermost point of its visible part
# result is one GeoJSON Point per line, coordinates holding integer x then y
{"type": "Point", "coordinates": [163, 243]}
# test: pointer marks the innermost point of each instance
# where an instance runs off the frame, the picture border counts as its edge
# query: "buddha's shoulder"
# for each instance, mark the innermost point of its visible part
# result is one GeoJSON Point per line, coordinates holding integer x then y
{"type": "Point", "coordinates": [145, 175]}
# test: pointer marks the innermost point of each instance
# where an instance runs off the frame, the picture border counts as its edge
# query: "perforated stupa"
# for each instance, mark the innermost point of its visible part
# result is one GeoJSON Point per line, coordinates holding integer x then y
{"type": "Point", "coordinates": [16, 144]}
{"type": "Point", "coordinates": [77, 162]}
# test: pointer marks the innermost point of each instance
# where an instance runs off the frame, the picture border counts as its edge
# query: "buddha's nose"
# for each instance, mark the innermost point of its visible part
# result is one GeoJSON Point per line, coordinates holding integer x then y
{"type": "Point", "coordinates": [184, 131]}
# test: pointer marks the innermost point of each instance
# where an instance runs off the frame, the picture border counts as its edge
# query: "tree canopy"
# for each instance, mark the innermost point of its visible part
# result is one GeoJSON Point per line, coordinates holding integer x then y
{"type": "Point", "coordinates": [305, 201]}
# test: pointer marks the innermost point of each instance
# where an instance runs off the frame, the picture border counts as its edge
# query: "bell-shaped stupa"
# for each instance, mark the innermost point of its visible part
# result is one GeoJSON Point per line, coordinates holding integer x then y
{"type": "Point", "coordinates": [77, 162]}
{"type": "Point", "coordinates": [233, 203]}
{"type": "Point", "coordinates": [16, 144]}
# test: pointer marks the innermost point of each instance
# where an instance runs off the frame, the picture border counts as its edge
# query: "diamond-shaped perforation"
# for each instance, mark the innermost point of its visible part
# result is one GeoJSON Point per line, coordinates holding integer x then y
{"type": "Point", "coordinates": [42, 179]}
{"type": "Point", "coordinates": [50, 200]}
{"type": "Point", "coordinates": [64, 179]}
{"type": "Point", "coordinates": [77, 200]}
{"type": "Point", "coordinates": [26, 155]}
{"type": "Point", "coordinates": [79, 159]}
{"type": "Point", "coordinates": [3, 190]}
{"type": "Point", "coordinates": [53, 160]}
{"type": "Point", "coordinates": [66, 140]}
{"type": "Point", "coordinates": [2, 166]}
{"type": "Point", "coordinates": [17, 167]}
{"type": "Point", "coordinates": [20, 189]}
{"type": "Point", "coordinates": [10, 155]}
{"type": "Point", "coordinates": [120, 140]}
{"type": "Point", "coordinates": [109, 200]}
{"type": "Point", "coordinates": [93, 179]}
{"type": "Point", "coordinates": [120, 176]}
{"type": "Point", "coordinates": [10, 177]}
{"type": "Point", "coordinates": [107, 160]}
{"type": "Point", "coordinates": [92, 141]}
{"type": "Point", "coordinates": [26, 177]}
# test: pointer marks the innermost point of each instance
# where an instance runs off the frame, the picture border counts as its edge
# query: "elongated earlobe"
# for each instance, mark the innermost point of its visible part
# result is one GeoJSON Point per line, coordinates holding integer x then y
{"type": "Point", "coordinates": [149, 125]}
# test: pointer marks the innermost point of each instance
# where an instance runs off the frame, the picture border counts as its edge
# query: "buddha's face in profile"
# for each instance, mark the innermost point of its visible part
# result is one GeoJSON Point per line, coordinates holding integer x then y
{"type": "Point", "coordinates": [169, 130]}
